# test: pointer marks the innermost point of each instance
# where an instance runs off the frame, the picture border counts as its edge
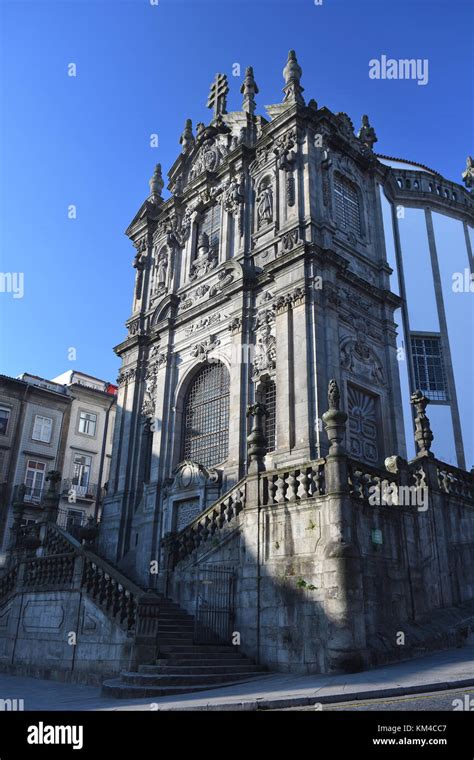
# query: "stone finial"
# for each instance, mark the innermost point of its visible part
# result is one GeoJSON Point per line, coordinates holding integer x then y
{"type": "Point", "coordinates": [203, 243]}
{"type": "Point", "coordinates": [335, 420]}
{"type": "Point", "coordinates": [249, 89]}
{"type": "Point", "coordinates": [217, 99]}
{"type": "Point", "coordinates": [423, 434]}
{"type": "Point", "coordinates": [156, 184]}
{"type": "Point", "coordinates": [256, 439]}
{"type": "Point", "coordinates": [53, 478]}
{"type": "Point", "coordinates": [313, 105]}
{"type": "Point", "coordinates": [366, 133]}
{"type": "Point", "coordinates": [187, 138]}
{"type": "Point", "coordinates": [468, 173]}
{"type": "Point", "coordinates": [292, 75]}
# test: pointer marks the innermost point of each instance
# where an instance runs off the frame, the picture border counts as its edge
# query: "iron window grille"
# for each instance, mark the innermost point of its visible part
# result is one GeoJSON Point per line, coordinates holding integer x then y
{"type": "Point", "coordinates": [206, 416]}
{"type": "Point", "coordinates": [211, 224]}
{"type": "Point", "coordinates": [428, 367]}
{"type": "Point", "coordinates": [269, 399]}
{"type": "Point", "coordinates": [347, 205]}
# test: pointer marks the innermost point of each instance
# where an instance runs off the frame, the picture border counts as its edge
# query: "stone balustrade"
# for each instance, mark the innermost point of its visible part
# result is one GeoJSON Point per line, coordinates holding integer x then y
{"type": "Point", "coordinates": [363, 478]}
{"type": "Point", "coordinates": [291, 485]}
{"type": "Point", "coordinates": [455, 482]}
{"type": "Point", "coordinates": [49, 571]}
{"type": "Point", "coordinates": [8, 582]}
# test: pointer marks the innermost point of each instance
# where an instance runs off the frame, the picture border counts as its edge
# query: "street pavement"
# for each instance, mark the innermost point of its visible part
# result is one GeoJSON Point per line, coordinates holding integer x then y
{"type": "Point", "coordinates": [443, 671]}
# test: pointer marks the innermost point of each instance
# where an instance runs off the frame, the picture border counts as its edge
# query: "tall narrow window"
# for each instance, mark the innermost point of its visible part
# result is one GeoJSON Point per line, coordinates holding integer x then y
{"type": "Point", "coordinates": [206, 416]}
{"type": "Point", "coordinates": [211, 225]}
{"type": "Point", "coordinates": [4, 417]}
{"type": "Point", "coordinates": [347, 205]}
{"type": "Point", "coordinates": [34, 480]}
{"type": "Point", "coordinates": [428, 366]}
{"type": "Point", "coordinates": [267, 395]}
{"type": "Point", "coordinates": [81, 470]}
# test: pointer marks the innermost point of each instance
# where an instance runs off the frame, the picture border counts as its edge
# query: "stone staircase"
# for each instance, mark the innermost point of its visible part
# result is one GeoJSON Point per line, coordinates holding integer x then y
{"type": "Point", "coordinates": [182, 666]}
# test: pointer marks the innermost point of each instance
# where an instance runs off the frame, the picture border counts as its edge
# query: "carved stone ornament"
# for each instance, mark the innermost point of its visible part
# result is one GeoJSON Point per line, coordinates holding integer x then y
{"type": "Point", "coordinates": [224, 278]}
{"type": "Point", "coordinates": [206, 258]}
{"type": "Point", "coordinates": [189, 474]}
{"type": "Point", "coordinates": [202, 349]}
{"type": "Point", "coordinates": [359, 357]}
{"type": "Point", "coordinates": [126, 376]}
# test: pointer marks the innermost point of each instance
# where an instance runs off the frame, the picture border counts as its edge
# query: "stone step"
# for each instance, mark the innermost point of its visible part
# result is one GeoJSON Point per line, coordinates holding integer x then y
{"type": "Point", "coordinates": [200, 658]}
{"type": "Point", "coordinates": [215, 668]}
{"type": "Point", "coordinates": [183, 679]}
{"type": "Point", "coordinates": [119, 690]}
{"type": "Point", "coordinates": [174, 639]}
{"type": "Point", "coordinates": [180, 649]}
{"type": "Point", "coordinates": [175, 626]}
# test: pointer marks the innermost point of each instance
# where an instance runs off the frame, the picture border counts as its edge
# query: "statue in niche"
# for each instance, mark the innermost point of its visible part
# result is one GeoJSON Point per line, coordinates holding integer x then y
{"type": "Point", "coordinates": [265, 205]}
{"type": "Point", "coordinates": [161, 268]}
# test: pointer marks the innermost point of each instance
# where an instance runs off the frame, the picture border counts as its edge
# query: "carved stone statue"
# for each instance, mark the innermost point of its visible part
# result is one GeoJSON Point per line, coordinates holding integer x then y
{"type": "Point", "coordinates": [366, 133]}
{"type": "Point", "coordinates": [334, 397]}
{"type": "Point", "coordinates": [423, 433]}
{"type": "Point", "coordinates": [161, 269]}
{"type": "Point", "coordinates": [265, 205]}
{"type": "Point", "coordinates": [468, 174]}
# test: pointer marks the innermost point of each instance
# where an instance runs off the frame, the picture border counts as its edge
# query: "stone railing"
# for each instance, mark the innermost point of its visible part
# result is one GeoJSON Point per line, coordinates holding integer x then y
{"type": "Point", "coordinates": [455, 482]}
{"type": "Point", "coordinates": [8, 583]}
{"type": "Point", "coordinates": [364, 478]}
{"type": "Point", "coordinates": [117, 596]}
{"type": "Point", "coordinates": [289, 485]}
{"type": "Point", "coordinates": [207, 525]}
{"type": "Point", "coordinates": [55, 570]}
{"type": "Point", "coordinates": [66, 564]}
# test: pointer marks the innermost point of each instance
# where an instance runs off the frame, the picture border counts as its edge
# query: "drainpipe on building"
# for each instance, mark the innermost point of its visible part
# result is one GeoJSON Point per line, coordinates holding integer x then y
{"type": "Point", "coordinates": [102, 460]}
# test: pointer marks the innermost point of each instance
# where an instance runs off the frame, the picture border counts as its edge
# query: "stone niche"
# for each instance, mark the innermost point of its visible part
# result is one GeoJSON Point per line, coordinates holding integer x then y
{"type": "Point", "coordinates": [191, 490]}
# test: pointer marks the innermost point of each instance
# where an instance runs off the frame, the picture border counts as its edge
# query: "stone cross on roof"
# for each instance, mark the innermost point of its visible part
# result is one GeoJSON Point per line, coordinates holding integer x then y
{"type": "Point", "coordinates": [217, 96]}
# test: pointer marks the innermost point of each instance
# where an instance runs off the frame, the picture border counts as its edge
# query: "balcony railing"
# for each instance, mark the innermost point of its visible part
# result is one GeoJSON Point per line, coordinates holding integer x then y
{"type": "Point", "coordinates": [27, 494]}
{"type": "Point", "coordinates": [90, 491]}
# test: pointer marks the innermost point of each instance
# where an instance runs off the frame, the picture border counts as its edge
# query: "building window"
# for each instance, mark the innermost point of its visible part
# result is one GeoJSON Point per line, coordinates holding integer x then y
{"type": "Point", "coordinates": [206, 416]}
{"type": "Point", "coordinates": [42, 429]}
{"type": "Point", "coordinates": [267, 395]}
{"type": "Point", "coordinates": [87, 423]}
{"type": "Point", "coordinates": [428, 366]}
{"type": "Point", "coordinates": [211, 225]}
{"type": "Point", "coordinates": [347, 205]}
{"type": "Point", "coordinates": [362, 432]}
{"type": "Point", "coordinates": [81, 470]}
{"type": "Point", "coordinates": [74, 518]}
{"type": "Point", "coordinates": [4, 417]}
{"type": "Point", "coordinates": [34, 480]}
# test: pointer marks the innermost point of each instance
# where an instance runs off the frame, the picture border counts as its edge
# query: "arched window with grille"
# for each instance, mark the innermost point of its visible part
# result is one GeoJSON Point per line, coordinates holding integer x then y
{"type": "Point", "coordinates": [206, 416]}
{"type": "Point", "coordinates": [347, 204]}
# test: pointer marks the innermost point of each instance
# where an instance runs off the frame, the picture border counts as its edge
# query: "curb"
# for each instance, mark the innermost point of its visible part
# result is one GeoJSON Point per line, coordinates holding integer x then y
{"type": "Point", "coordinates": [279, 702]}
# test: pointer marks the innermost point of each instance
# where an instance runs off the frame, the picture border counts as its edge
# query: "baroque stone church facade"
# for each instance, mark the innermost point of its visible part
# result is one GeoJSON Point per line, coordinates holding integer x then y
{"type": "Point", "coordinates": [262, 277]}
{"type": "Point", "coordinates": [261, 280]}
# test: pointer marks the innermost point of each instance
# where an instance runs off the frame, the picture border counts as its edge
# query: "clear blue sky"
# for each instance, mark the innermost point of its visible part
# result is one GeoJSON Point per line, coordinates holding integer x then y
{"type": "Point", "coordinates": [144, 69]}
